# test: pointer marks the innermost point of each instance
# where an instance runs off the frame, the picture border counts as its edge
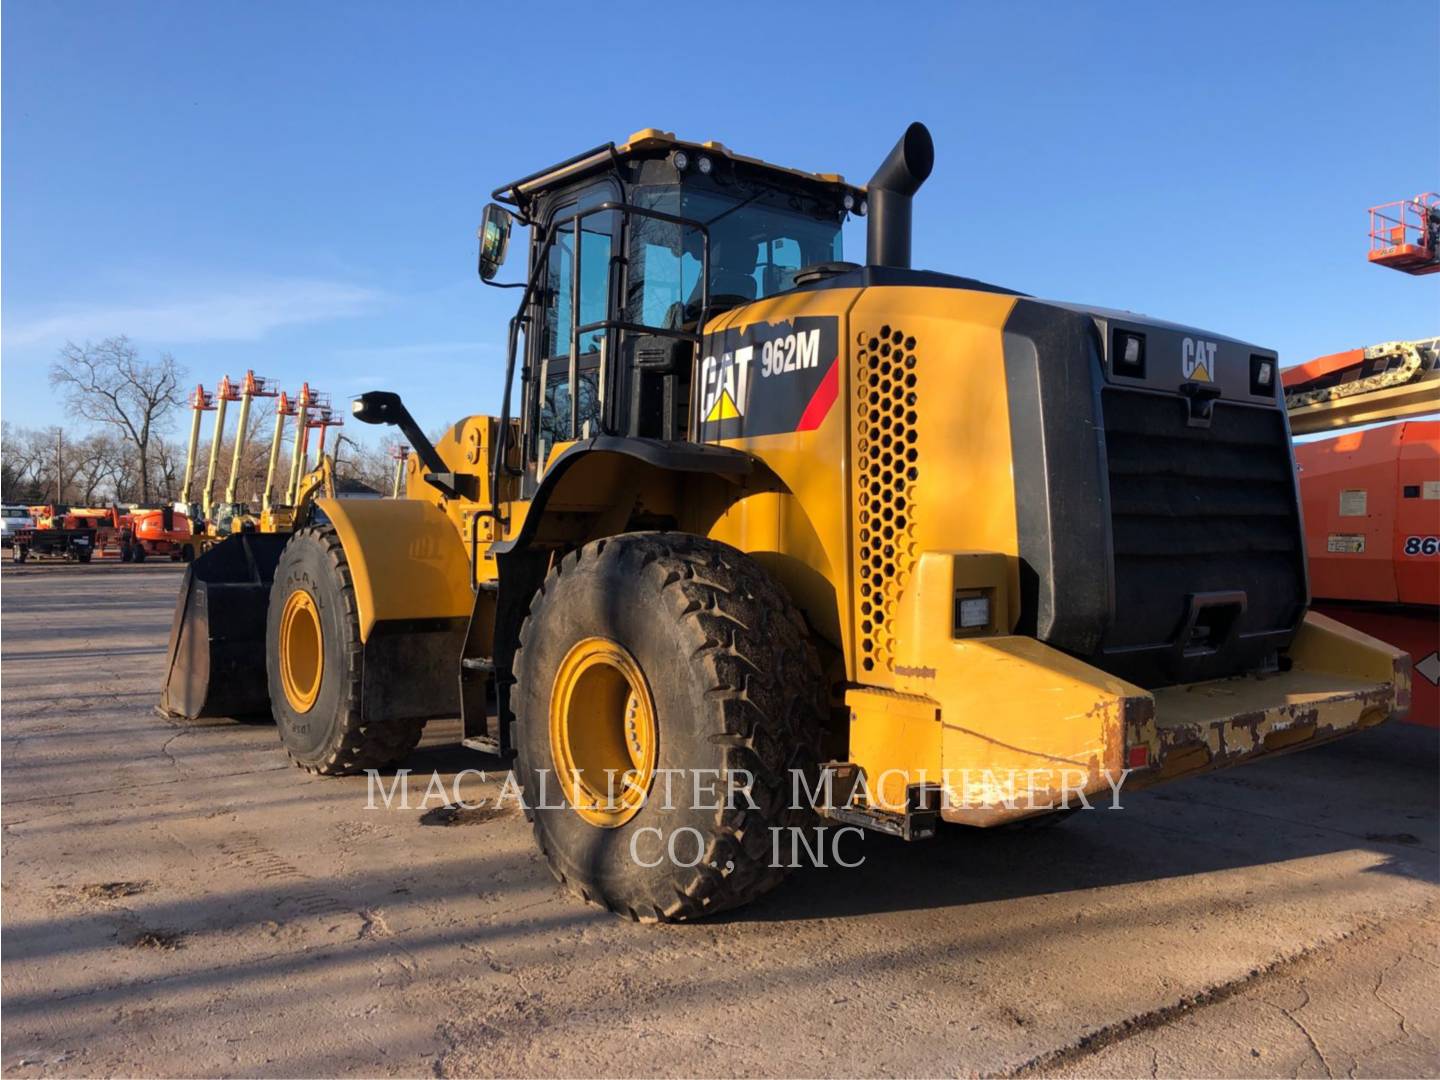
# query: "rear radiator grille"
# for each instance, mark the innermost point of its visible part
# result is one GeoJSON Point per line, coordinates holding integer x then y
{"type": "Point", "coordinates": [1197, 510]}
{"type": "Point", "coordinates": [886, 471]}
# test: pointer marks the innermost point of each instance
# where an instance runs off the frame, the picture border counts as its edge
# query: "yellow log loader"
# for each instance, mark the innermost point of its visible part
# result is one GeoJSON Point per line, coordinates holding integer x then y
{"type": "Point", "coordinates": [760, 534]}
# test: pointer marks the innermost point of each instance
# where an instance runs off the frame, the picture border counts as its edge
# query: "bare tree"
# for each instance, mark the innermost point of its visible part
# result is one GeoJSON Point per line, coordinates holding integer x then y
{"type": "Point", "coordinates": [100, 461]}
{"type": "Point", "coordinates": [50, 477]}
{"type": "Point", "coordinates": [365, 463]}
{"type": "Point", "coordinates": [167, 463]}
{"type": "Point", "coordinates": [23, 458]}
{"type": "Point", "coordinates": [51, 466]}
{"type": "Point", "coordinates": [110, 384]}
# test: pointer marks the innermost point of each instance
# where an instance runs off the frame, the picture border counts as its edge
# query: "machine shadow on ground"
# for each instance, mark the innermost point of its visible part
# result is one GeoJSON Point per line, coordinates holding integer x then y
{"type": "Point", "coordinates": [1223, 821]}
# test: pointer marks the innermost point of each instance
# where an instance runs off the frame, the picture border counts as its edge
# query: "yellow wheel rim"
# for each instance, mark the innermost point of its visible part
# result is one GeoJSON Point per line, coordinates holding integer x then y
{"type": "Point", "coordinates": [302, 653]}
{"type": "Point", "coordinates": [602, 732]}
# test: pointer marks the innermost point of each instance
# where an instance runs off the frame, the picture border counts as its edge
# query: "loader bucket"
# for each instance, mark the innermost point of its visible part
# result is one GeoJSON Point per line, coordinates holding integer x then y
{"type": "Point", "coordinates": [217, 639]}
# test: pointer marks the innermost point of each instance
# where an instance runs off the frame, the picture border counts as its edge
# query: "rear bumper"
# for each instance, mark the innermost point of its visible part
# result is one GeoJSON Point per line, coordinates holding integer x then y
{"type": "Point", "coordinates": [1340, 681]}
{"type": "Point", "coordinates": [1005, 728]}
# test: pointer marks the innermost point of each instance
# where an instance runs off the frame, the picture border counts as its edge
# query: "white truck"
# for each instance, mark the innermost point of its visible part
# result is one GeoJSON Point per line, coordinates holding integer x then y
{"type": "Point", "coordinates": [12, 520]}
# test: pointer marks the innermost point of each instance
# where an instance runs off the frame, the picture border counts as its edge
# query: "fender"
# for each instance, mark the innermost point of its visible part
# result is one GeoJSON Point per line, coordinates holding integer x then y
{"type": "Point", "coordinates": [407, 561]}
{"type": "Point", "coordinates": [523, 562]}
{"type": "Point", "coordinates": [413, 600]}
{"type": "Point", "coordinates": [647, 455]}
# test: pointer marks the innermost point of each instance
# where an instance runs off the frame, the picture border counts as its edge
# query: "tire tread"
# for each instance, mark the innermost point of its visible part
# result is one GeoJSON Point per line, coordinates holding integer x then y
{"type": "Point", "coordinates": [361, 745]}
{"type": "Point", "coordinates": [752, 646]}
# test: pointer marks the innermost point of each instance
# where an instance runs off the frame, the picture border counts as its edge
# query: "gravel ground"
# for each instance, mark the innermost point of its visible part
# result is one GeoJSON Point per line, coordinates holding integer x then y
{"type": "Point", "coordinates": [179, 901]}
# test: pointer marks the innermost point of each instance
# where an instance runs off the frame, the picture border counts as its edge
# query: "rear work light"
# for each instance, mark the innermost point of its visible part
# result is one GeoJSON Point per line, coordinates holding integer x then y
{"type": "Point", "coordinates": [1262, 375]}
{"type": "Point", "coordinates": [1127, 354]}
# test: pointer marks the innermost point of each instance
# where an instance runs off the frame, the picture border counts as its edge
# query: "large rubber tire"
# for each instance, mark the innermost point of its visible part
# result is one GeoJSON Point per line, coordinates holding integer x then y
{"type": "Point", "coordinates": [736, 685]}
{"type": "Point", "coordinates": [137, 553]}
{"type": "Point", "coordinates": [330, 737]}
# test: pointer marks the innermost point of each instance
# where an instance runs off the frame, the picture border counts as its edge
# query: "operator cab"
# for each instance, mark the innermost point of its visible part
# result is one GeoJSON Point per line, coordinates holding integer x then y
{"type": "Point", "coordinates": [633, 249]}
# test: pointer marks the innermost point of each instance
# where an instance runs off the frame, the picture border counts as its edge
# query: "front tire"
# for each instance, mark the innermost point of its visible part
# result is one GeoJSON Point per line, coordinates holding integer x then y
{"type": "Point", "coordinates": [679, 663]}
{"type": "Point", "coordinates": [314, 662]}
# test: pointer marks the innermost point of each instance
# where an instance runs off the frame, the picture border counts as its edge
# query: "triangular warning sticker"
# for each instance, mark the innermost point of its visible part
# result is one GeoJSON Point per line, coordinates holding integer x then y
{"type": "Point", "coordinates": [1200, 374]}
{"type": "Point", "coordinates": [723, 409]}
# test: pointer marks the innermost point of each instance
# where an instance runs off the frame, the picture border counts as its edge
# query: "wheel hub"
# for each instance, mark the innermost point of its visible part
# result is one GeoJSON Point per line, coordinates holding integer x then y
{"type": "Point", "coordinates": [302, 654]}
{"type": "Point", "coordinates": [603, 736]}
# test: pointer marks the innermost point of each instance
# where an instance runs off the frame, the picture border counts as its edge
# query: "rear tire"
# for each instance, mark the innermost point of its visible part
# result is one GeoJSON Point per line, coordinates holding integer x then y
{"type": "Point", "coordinates": [314, 662]}
{"type": "Point", "coordinates": [733, 683]}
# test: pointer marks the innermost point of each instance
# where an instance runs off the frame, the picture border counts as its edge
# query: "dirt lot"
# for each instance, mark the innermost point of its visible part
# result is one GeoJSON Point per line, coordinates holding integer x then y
{"type": "Point", "coordinates": [181, 901]}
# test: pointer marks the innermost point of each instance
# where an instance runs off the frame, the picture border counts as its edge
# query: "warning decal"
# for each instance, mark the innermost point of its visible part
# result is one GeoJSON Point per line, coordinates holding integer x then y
{"type": "Point", "coordinates": [767, 379]}
{"type": "Point", "coordinates": [1352, 503]}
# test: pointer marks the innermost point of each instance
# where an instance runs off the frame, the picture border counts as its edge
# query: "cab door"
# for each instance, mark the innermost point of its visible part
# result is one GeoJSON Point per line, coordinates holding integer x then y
{"type": "Point", "coordinates": [566, 345]}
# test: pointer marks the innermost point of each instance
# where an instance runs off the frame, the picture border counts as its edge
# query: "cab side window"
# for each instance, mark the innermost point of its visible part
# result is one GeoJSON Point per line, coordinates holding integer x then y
{"type": "Point", "coordinates": [596, 241]}
{"type": "Point", "coordinates": [556, 400]}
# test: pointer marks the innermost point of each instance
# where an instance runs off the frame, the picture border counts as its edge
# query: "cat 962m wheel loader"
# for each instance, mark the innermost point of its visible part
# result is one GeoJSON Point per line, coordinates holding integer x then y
{"type": "Point", "coordinates": [762, 514]}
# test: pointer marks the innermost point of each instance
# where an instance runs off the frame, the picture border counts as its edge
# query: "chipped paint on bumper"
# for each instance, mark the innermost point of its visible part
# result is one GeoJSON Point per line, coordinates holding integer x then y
{"type": "Point", "coordinates": [1339, 681]}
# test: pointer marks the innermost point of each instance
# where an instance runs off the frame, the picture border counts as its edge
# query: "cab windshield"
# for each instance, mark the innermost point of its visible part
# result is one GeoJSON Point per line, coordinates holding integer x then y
{"type": "Point", "coordinates": [759, 238]}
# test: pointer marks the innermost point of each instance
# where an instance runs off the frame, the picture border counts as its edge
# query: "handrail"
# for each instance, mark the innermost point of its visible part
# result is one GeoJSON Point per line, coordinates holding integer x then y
{"type": "Point", "coordinates": [513, 189]}
{"type": "Point", "coordinates": [1411, 215]}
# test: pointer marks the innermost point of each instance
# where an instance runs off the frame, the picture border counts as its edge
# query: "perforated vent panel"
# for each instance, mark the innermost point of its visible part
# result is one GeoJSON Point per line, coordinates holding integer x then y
{"type": "Point", "coordinates": [887, 466]}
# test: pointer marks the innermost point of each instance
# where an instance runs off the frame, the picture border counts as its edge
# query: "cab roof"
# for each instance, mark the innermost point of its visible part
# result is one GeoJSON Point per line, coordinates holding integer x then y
{"type": "Point", "coordinates": [650, 143]}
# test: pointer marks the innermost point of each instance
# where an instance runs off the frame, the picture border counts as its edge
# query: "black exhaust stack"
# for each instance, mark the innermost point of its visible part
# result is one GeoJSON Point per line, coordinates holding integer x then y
{"type": "Point", "coordinates": [887, 235]}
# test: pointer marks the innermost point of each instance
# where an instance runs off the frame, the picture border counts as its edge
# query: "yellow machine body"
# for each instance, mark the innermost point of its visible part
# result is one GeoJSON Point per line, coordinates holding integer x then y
{"type": "Point", "coordinates": [1003, 724]}
{"type": "Point", "coordinates": [1041, 550]}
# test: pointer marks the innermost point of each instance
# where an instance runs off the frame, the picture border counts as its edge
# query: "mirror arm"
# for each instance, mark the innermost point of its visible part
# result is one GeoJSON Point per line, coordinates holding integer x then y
{"type": "Point", "coordinates": [502, 434]}
{"type": "Point", "coordinates": [384, 407]}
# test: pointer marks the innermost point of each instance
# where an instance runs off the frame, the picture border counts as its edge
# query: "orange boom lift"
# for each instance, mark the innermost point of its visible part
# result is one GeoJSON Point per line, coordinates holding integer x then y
{"type": "Point", "coordinates": [1371, 496]}
{"type": "Point", "coordinates": [1405, 235]}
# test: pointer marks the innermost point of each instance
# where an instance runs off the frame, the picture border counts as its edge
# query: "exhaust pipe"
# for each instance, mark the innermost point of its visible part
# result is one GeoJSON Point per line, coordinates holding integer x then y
{"type": "Point", "coordinates": [889, 193]}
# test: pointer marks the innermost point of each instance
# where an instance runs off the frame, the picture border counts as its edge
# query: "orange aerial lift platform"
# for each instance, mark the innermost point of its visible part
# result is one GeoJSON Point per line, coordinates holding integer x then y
{"type": "Point", "coordinates": [1405, 235]}
{"type": "Point", "coordinates": [1371, 497]}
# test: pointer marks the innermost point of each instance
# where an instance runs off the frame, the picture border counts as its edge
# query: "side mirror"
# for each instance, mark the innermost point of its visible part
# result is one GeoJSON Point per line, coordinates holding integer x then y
{"type": "Point", "coordinates": [377, 407]}
{"type": "Point", "coordinates": [494, 239]}
{"type": "Point", "coordinates": [384, 407]}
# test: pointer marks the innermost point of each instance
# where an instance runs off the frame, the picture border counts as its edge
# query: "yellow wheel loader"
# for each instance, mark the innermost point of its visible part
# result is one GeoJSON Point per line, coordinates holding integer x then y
{"type": "Point", "coordinates": [761, 534]}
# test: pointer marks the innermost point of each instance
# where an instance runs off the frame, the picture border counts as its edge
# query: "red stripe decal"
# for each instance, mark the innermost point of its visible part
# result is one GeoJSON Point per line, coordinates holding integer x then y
{"type": "Point", "coordinates": [825, 395]}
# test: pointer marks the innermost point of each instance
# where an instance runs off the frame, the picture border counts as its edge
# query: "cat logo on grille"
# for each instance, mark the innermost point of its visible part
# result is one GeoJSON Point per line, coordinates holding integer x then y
{"type": "Point", "coordinates": [1197, 359]}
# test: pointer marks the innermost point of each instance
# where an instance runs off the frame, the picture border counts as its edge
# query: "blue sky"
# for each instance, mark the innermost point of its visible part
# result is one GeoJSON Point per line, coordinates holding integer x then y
{"type": "Point", "coordinates": [294, 187]}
